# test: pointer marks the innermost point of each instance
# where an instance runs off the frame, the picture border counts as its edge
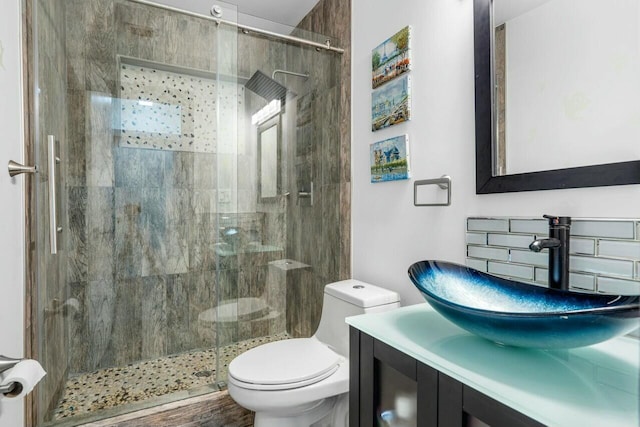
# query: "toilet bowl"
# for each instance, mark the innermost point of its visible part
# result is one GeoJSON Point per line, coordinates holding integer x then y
{"type": "Point", "coordinates": [305, 381]}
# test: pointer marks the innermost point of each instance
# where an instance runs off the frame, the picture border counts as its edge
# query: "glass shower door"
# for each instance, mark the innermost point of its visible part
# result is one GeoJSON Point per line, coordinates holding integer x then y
{"type": "Point", "coordinates": [124, 312]}
{"type": "Point", "coordinates": [49, 253]}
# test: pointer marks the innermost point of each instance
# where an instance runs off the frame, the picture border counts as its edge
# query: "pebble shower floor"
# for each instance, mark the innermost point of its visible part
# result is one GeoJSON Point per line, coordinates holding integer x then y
{"type": "Point", "coordinates": [88, 393]}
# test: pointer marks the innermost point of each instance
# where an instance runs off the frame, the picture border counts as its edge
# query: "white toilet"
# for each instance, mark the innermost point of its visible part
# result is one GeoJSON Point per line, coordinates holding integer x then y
{"type": "Point", "coordinates": [305, 381]}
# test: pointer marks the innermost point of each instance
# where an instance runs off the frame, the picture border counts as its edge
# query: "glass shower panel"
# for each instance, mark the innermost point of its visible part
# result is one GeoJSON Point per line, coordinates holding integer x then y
{"type": "Point", "coordinates": [281, 246]}
{"type": "Point", "coordinates": [51, 269]}
{"type": "Point", "coordinates": [130, 93]}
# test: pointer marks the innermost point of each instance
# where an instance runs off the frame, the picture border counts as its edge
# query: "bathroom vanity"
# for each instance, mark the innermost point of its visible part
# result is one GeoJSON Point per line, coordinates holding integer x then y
{"type": "Point", "coordinates": [412, 367]}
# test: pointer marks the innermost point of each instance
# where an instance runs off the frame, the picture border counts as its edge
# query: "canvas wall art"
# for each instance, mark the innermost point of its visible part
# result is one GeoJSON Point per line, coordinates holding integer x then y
{"type": "Point", "coordinates": [391, 103]}
{"type": "Point", "coordinates": [391, 58]}
{"type": "Point", "coordinates": [389, 159]}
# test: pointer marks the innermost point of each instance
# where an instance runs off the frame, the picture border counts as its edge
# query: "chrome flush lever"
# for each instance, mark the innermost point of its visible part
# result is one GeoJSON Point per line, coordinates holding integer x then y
{"type": "Point", "coordinates": [16, 168]}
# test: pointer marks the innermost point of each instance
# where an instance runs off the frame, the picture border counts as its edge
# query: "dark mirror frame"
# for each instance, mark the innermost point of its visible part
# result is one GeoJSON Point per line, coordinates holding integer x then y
{"type": "Point", "coordinates": [622, 173]}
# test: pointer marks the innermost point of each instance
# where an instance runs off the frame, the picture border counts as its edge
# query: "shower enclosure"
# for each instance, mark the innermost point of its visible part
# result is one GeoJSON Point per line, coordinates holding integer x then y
{"type": "Point", "coordinates": [187, 205]}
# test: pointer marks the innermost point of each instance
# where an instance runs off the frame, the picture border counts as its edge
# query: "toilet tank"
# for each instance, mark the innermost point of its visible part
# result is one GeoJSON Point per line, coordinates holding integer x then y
{"type": "Point", "coordinates": [349, 298]}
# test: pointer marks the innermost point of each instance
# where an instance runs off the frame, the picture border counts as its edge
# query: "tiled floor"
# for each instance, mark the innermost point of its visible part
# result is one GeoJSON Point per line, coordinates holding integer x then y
{"type": "Point", "coordinates": [135, 383]}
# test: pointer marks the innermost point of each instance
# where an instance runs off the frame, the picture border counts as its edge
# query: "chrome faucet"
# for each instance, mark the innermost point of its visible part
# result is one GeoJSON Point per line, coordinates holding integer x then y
{"type": "Point", "coordinates": [558, 245]}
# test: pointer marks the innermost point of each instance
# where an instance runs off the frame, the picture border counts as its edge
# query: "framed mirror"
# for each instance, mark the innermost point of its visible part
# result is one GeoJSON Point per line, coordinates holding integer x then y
{"type": "Point", "coordinates": [269, 177]}
{"type": "Point", "coordinates": [568, 132]}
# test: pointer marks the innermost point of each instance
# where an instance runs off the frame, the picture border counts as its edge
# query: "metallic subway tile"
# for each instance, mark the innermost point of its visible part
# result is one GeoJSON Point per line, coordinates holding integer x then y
{"type": "Point", "coordinates": [586, 235]}
{"type": "Point", "coordinates": [537, 226]}
{"type": "Point", "coordinates": [602, 266]}
{"type": "Point", "coordinates": [482, 224]}
{"type": "Point", "coordinates": [541, 275]}
{"type": "Point", "coordinates": [582, 246]}
{"type": "Point", "coordinates": [576, 280]}
{"type": "Point", "coordinates": [510, 240]}
{"type": "Point", "coordinates": [478, 264]}
{"type": "Point", "coordinates": [488, 253]}
{"type": "Point", "coordinates": [619, 249]}
{"type": "Point", "coordinates": [529, 257]}
{"type": "Point", "coordinates": [511, 270]}
{"type": "Point", "coordinates": [477, 238]}
{"type": "Point", "coordinates": [617, 286]}
{"type": "Point", "coordinates": [612, 229]}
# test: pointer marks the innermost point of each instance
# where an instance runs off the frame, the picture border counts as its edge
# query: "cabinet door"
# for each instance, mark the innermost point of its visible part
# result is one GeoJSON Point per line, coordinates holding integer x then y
{"type": "Point", "coordinates": [393, 389]}
{"type": "Point", "coordinates": [480, 410]}
{"type": "Point", "coordinates": [462, 406]}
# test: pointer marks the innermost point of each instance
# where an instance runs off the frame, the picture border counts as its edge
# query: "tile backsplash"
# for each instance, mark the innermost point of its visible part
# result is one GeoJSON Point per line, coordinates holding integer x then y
{"type": "Point", "coordinates": [605, 253]}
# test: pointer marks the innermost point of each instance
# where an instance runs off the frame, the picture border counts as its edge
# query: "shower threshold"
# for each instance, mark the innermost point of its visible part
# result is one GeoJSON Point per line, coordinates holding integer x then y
{"type": "Point", "coordinates": [121, 389]}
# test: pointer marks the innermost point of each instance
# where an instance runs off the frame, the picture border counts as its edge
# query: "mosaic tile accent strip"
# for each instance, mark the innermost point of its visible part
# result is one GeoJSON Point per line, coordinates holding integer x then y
{"type": "Point", "coordinates": [606, 249]}
{"type": "Point", "coordinates": [112, 387]}
{"type": "Point", "coordinates": [167, 110]}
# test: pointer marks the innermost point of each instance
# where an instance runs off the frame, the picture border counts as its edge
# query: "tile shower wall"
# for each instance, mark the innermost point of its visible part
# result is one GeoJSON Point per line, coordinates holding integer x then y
{"type": "Point", "coordinates": [144, 261]}
{"type": "Point", "coordinates": [144, 222]}
{"type": "Point", "coordinates": [604, 253]}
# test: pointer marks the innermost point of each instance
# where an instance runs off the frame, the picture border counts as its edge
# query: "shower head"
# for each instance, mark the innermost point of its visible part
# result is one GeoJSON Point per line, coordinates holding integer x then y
{"type": "Point", "coordinates": [266, 87]}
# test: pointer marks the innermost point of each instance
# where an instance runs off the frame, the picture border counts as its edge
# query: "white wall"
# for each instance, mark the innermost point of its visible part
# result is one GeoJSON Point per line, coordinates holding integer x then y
{"type": "Point", "coordinates": [11, 202]}
{"type": "Point", "coordinates": [389, 233]}
{"type": "Point", "coordinates": [566, 82]}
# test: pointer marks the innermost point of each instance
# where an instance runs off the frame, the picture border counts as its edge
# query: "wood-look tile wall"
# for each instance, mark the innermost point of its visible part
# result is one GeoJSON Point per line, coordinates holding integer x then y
{"type": "Point", "coordinates": [143, 222]}
{"type": "Point", "coordinates": [142, 228]}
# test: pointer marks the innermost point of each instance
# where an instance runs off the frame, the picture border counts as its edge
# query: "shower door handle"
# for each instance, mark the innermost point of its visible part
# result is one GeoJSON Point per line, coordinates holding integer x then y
{"type": "Point", "coordinates": [54, 161]}
{"type": "Point", "coordinates": [16, 168]}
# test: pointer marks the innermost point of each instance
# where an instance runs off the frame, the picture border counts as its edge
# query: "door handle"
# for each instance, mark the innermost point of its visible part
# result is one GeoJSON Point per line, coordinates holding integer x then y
{"type": "Point", "coordinates": [16, 168]}
{"type": "Point", "coordinates": [54, 160]}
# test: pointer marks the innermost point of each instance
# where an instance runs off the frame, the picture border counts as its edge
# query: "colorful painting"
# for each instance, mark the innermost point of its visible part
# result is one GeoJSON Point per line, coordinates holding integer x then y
{"type": "Point", "coordinates": [391, 103]}
{"type": "Point", "coordinates": [392, 58]}
{"type": "Point", "coordinates": [389, 159]}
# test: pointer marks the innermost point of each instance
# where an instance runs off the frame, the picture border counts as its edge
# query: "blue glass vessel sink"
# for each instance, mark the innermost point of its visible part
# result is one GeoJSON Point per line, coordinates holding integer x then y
{"type": "Point", "coordinates": [522, 315]}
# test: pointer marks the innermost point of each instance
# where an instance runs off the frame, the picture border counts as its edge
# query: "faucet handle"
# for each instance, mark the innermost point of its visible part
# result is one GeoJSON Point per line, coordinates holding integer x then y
{"type": "Point", "coordinates": [558, 220]}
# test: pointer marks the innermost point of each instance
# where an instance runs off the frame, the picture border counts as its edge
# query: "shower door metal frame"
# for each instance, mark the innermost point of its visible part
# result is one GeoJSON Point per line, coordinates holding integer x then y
{"type": "Point", "coordinates": [30, 304]}
{"type": "Point", "coordinates": [248, 29]}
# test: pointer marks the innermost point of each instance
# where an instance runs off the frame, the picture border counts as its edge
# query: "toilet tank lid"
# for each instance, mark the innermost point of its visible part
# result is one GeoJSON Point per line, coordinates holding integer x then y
{"type": "Point", "coordinates": [361, 294]}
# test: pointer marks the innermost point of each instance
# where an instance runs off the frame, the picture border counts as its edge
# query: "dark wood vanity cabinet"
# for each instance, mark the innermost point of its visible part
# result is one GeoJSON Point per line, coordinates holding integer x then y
{"type": "Point", "coordinates": [424, 397]}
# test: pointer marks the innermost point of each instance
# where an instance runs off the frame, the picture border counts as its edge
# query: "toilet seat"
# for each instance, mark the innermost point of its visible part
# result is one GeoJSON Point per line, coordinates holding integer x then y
{"type": "Point", "coordinates": [284, 365]}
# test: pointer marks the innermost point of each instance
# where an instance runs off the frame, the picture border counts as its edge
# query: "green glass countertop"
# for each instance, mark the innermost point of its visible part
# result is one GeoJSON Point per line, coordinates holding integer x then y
{"type": "Point", "coordinates": [589, 386]}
